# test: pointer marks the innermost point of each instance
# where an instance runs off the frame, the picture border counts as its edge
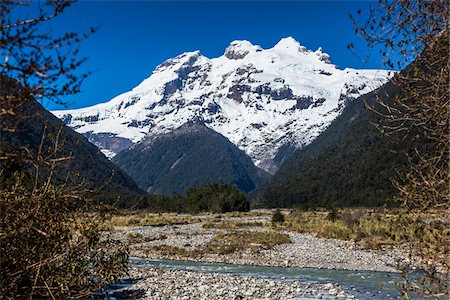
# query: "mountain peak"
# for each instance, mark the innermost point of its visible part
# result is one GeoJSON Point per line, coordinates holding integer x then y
{"type": "Point", "coordinates": [322, 55]}
{"type": "Point", "coordinates": [189, 155]}
{"type": "Point", "coordinates": [240, 48]}
{"type": "Point", "coordinates": [289, 44]}
{"type": "Point", "coordinates": [265, 101]}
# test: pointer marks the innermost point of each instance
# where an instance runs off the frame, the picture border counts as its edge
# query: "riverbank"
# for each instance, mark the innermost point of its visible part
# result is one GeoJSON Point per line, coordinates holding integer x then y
{"type": "Point", "coordinates": [176, 284]}
{"type": "Point", "coordinates": [239, 239]}
{"type": "Point", "coordinates": [247, 239]}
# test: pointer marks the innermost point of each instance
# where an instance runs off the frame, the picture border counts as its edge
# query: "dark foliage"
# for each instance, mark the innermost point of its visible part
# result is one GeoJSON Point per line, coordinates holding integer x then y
{"type": "Point", "coordinates": [277, 217]}
{"type": "Point", "coordinates": [215, 198]}
{"type": "Point", "coordinates": [211, 197]}
{"type": "Point", "coordinates": [419, 30]}
{"type": "Point", "coordinates": [349, 164]}
{"type": "Point", "coordinates": [47, 65]}
{"type": "Point", "coordinates": [86, 167]}
{"type": "Point", "coordinates": [50, 251]}
{"type": "Point", "coordinates": [333, 214]}
{"type": "Point", "coordinates": [189, 156]}
{"type": "Point", "coordinates": [49, 248]}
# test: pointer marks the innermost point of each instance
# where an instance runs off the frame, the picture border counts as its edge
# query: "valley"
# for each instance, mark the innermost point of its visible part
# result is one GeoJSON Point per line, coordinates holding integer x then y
{"type": "Point", "coordinates": [254, 168]}
{"type": "Point", "coordinates": [236, 250]}
{"type": "Point", "coordinates": [266, 102]}
{"type": "Point", "coordinates": [247, 238]}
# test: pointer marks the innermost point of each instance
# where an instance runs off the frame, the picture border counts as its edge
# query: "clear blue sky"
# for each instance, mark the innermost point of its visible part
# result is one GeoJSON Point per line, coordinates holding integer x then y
{"type": "Point", "coordinates": [134, 37]}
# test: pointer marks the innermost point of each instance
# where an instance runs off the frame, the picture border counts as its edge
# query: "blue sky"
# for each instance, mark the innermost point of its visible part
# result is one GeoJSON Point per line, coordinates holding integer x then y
{"type": "Point", "coordinates": [134, 37]}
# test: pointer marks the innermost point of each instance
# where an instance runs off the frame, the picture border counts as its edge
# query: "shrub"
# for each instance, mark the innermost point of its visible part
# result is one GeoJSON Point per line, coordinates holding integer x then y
{"type": "Point", "coordinates": [277, 217]}
{"type": "Point", "coordinates": [172, 250]}
{"type": "Point", "coordinates": [226, 243]}
{"type": "Point", "coordinates": [219, 198]}
{"type": "Point", "coordinates": [351, 218]}
{"type": "Point", "coordinates": [232, 225]}
{"type": "Point", "coordinates": [48, 250]}
{"type": "Point", "coordinates": [333, 215]}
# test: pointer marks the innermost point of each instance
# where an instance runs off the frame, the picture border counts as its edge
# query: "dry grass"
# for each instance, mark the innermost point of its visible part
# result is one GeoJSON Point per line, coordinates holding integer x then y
{"type": "Point", "coordinates": [316, 223]}
{"type": "Point", "coordinates": [350, 224]}
{"type": "Point", "coordinates": [226, 243]}
{"type": "Point", "coordinates": [252, 213]}
{"type": "Point", "coordinates": [143, 219]}
{"type": "Point", "coordinates": [136, 238]}
{"type": "Point", "coordinates": [233, 225]}
{"type": "Point", "coordinates": [372, 229]}
{"type": "Point", "coordinates": [172, 251]}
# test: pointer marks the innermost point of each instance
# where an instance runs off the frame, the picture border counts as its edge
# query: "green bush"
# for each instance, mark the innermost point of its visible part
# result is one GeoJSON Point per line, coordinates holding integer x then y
{"type": "Point", "coordinates": [333, 215]}
{"type": "Point", "coordinates": [219, 198]}
{"type": "Point", "coordinates": [277, 217]}
{"type": "Point", "coordinates": [212, 197]}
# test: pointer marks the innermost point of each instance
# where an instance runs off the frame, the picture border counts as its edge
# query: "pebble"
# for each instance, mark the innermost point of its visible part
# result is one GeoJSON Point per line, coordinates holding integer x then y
{"type": "Point", "coordinates": [177, 284]}
{"type": "Point", "coordinates": [305, 251]}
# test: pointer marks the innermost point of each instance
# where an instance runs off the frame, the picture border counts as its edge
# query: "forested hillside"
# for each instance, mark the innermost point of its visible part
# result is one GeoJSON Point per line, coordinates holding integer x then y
{"type": "Point", "coordinates": [82, 165]}
{"type": "Point", "coordinates": [350, 164]}
{"type": "Point", "coordinates": [190, 155]}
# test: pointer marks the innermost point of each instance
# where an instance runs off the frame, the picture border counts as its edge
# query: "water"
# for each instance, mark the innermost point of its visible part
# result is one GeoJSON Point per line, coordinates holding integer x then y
{"type": "Point", "coordinates": [361, 284]}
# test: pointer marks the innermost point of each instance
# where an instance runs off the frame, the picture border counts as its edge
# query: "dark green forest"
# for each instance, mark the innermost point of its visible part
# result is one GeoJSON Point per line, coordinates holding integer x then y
{"type": "Point", "coordinates": [189, 156]}
{"type": "Point", "coordinates": [211, 197]}
{"type": "Point", "coordinates": [349, 164]}
{"type": "Point", "coordinates": [81, 166]}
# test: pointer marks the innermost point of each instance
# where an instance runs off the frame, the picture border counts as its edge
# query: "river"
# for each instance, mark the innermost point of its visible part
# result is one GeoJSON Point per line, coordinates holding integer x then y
{"type": "Point", "coordinates": [360, 284]}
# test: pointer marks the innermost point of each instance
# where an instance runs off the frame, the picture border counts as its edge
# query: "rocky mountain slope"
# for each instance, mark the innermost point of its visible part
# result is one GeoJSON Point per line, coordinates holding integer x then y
{"type": "Point", "coordinates": [267, 102]}
{"type": "Point", "coordinates": [190, 155]}
{"type": "Point", "coordinates": [352, 163]}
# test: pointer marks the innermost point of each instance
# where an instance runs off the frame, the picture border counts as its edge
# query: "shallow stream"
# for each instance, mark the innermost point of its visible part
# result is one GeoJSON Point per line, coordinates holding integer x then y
{"type": "Point", "coordinates": [361, 284]}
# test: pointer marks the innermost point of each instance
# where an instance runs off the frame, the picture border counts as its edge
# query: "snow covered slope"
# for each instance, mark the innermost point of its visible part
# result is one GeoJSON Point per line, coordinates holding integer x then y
{"type": "Point", "coordinates": [266, 101]}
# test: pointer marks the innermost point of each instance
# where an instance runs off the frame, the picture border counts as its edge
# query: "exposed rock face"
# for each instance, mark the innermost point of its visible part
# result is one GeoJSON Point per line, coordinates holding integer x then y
{"type": "Point", "coordinates": [262, 100]}
{"type": "Point", "coordinates": [108, 143]}
{"type": "Point", "coordinates": [239, 49]}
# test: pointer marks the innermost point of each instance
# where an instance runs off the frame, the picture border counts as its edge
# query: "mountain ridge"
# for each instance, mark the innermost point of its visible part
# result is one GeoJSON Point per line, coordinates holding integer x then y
{"type": "Point", "coordinates": [87, 168]}
{"type": "Point", "coordinates": [267, 102]}
{"type": "Point", "coordinates": [350, 164]}
{"type": "Point", "coordinates": [190, 155]}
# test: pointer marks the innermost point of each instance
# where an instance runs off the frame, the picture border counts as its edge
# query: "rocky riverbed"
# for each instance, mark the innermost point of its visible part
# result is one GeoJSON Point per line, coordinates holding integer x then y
{"type": "Point", "coordinates": [176, 284]}
{"type": "Point", "coordinates": [190, 241]}
{"type": "Point", "coordinates": [304, 250]}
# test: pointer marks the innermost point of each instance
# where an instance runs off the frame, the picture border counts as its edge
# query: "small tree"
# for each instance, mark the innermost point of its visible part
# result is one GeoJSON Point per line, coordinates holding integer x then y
{"type": "Point", "coordinates": [333, 214]}
{"type": "Point", "coordinates": [416, 32]}
{"type": "Point", "coordinates": [44, 65]}
{"type": "Point", "coordinates": [277, 217]}
{"type": "Point", "coordinates": [49, 249]}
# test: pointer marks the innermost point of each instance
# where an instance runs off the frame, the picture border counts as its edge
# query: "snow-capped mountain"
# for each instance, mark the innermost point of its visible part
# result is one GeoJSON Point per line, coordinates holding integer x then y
{"type": "Point", "coordinates": [265, 101]}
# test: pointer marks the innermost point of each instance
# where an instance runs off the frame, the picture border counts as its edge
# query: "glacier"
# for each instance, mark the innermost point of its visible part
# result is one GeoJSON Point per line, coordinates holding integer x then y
{"type": "Point", "coordinates": [268, 102]}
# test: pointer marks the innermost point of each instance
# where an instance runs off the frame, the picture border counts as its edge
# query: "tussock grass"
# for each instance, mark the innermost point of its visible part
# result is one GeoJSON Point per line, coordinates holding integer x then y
{"type": "Point", "coordinates": [252, 213]}
{"type": "Point", "coordinates": [316, 223]}
{"type": "Point", "coordinates": [226, 243]}
{"type": "Point", "coordinates": [172, 250]}
{"type": "Point", "coordinates": [233, 225]}
{"type": "Point", "coordinates": [372, 229]}
{"type": "Point", "coordinates": [350, 224]}
{"type": "Point", "coordinates": [148, 220]}
{"type": "Point", "coordinates": [135, 238]}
